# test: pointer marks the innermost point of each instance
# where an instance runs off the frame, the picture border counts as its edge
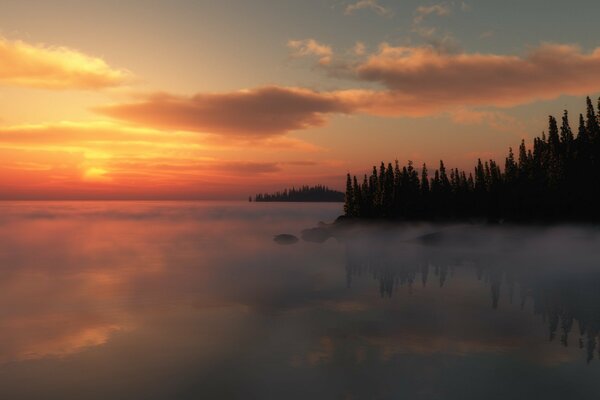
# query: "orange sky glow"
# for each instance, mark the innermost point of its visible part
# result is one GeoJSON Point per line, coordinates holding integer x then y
{"type": "Point", "coordinates": [86, 117]}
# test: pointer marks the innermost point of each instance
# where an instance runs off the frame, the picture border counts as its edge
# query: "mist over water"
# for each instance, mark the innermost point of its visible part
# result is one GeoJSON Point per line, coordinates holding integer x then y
{"type": "Point", "coordinates": [160, 300]}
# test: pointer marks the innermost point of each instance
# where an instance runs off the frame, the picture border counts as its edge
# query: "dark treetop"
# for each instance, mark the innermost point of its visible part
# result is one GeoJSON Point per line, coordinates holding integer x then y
{"type": "Point", "coordinates": [305, 193]}
{"type": "Point", "coordinates": [556, 179]}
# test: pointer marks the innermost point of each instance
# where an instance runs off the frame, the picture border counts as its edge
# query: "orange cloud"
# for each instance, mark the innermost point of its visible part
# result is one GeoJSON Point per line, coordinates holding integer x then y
{"type": "Point", "coordinates": [41, 66]}
{"type": "Point", "coordinates": [109, 160]}
{"type": "Point", "coordinates": [424, 81]}
{"type": "Point", "coordinates": [261, 112]}
{"type": "Point", "coordinates": [497, 120]}
{"type": "Point", "coordinates": [419, 81]}
{"type": "Point", "coordinates": [249, 167]}
{"type": "Point", "coordinates": [310, 47]}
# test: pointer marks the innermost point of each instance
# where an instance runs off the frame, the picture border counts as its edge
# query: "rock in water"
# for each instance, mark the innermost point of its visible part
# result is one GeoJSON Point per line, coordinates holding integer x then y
{"type": "Point", "coordinates": [285, 238]}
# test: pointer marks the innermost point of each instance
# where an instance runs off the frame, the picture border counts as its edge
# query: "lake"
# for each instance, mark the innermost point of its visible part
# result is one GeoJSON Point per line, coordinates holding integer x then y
{"type": "Point", "coordinates": [195, 300]}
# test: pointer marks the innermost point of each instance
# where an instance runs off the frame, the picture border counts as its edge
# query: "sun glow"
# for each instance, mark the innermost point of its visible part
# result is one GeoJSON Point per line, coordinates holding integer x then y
{"type": "Point", "coordinates": [96, 174]}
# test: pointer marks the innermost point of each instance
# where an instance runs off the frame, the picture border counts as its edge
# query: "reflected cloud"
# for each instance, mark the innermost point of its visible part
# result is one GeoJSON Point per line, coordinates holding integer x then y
{"type": "Point", "coordinates": [98, 269]}
{"type": "Point", "coordinates": [53, 337]}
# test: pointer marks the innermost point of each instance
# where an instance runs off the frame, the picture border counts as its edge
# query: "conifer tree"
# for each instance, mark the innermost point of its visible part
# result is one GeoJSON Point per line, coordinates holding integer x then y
{"type": "Point", "coordinates": [558, 177]}
{"type": "Point", "coordinates": [591, 121]}
{"type": "Point", "coordinates": [349, 199]}
{"type": "Point", "coordinates": [566, 134]}
{"type": "Point", "coordinates": [553, 137]}
{"type": "Point", "coordinates": [424, 180]}
{"type": "Point", "coordinates": [357, 199]}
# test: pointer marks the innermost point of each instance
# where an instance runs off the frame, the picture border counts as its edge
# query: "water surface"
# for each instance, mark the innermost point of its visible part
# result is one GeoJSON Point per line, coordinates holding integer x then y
{"type": "Point", "coordinates": [175, 300]}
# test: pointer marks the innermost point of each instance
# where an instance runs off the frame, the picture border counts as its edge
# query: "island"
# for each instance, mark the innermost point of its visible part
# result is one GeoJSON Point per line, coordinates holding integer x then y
{"type": "Point", "coordinates": [316, 193]}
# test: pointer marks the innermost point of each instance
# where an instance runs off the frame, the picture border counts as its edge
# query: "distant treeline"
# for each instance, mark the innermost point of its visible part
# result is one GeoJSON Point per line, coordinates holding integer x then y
{"type": "Point", "coordinates": [557, 178]}
{"type": "Point", "coordinates": [304, 193]}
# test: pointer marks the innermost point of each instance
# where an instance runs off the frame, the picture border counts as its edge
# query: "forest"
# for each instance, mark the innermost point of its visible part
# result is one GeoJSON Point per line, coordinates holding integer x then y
{"type": "Point", "coordinates": [556, 178]}
{"type": "Point", "coordinates": [316, 193]}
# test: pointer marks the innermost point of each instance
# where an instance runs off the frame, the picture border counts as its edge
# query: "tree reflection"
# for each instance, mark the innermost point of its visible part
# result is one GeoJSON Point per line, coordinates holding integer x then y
{"type": "Point", "coordinates": [567, 299]}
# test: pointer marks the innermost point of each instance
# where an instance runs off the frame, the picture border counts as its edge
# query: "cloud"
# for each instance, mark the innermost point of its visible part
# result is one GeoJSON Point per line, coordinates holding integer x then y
{"type": "Point", "coordinates": [46, 67]}
{"type": "Point", "coordinates": [270, 142]}
{"type": "Point", "coordinates": [103, 159]}
{"type": "Point", "coordinates": [260, 112]}
{"type": "Point", "coordinates": [52, 157]}
{"type": "Point", "coordinates": [359, 49]}
{"type": "Point", "coordinates": [367, 5]}
{"type": "Point", "coordinates": [257, 167]}
{"type": "Point", "coordinates": [430, 34]}
{"type": "Point", "coordinates": [102, 142]}
{"type": "Point", "coordinates": [495, 119]}
{"type": "Point", "coordinates": [310, 47]}
{"type": "Point", "coordinates": [427, 81]}
{"type": "Point", "coordinates": [416, 81]}
{"type": "Point", "coordinates": [423, 11]}
{"type": "Point", "coordinates": [249, 167]}
{"type": "Point", "coordinates": [302, 163]}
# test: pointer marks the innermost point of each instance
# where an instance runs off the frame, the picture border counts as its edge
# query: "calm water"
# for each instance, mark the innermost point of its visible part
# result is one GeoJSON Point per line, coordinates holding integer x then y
{"type": "Point", "coordinates": [150, 300]}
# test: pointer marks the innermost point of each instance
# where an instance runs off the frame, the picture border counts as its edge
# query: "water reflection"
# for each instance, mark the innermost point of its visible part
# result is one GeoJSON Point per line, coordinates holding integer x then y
{"type": "Point", "coordinates": [557, 270]}
{"type": "Point", "coordinates": [196, 300]}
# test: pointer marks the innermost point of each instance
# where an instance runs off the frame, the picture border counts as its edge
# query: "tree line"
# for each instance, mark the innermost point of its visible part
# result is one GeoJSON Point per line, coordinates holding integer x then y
{"type": "Point", "coordinates": [556, 178]}
{"type": "Point", "coordinates": [303, 194]}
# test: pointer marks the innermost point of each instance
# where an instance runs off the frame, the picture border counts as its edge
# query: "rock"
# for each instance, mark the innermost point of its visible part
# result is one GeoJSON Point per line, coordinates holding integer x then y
{"type": "Point", "coordinates": [285, 238]}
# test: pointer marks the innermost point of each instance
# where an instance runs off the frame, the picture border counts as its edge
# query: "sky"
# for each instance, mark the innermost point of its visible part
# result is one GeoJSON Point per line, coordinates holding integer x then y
{"type": "Point", "coordinates": [221, 100]}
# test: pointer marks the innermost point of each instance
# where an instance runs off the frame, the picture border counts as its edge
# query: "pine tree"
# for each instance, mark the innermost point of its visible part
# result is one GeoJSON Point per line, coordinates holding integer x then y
{"type": "Point", "coordinates": [566, 134]}
{"type": "Point", "coordinates": [558, 177]}
{"type": "Point", "coordinates": [349, 203]}
{"type": "Point", "coordinates": [424, 180]}
{"type": "Point", "coordinates": [591, 121]}
{"type": "Point", "coordinates": [357, 199]}
{"type": "Point", "coordinates": [553, 138]}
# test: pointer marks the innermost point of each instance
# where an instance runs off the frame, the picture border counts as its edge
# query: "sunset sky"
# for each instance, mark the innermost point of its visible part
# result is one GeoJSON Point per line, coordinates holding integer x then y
{"type": "Point", "coordinates": [219, 100]}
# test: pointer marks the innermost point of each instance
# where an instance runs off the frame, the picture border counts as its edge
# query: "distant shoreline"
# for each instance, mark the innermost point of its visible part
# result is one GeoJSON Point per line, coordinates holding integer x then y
{"type": "Point", "coordinates": [304, 194]}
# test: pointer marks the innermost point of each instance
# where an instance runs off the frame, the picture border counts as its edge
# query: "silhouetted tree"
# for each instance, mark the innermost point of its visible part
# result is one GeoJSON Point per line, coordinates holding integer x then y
{"type": "Point", "coordinates": [349, 197]}
{"type": "Point", "coordinates": [557, 178]}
